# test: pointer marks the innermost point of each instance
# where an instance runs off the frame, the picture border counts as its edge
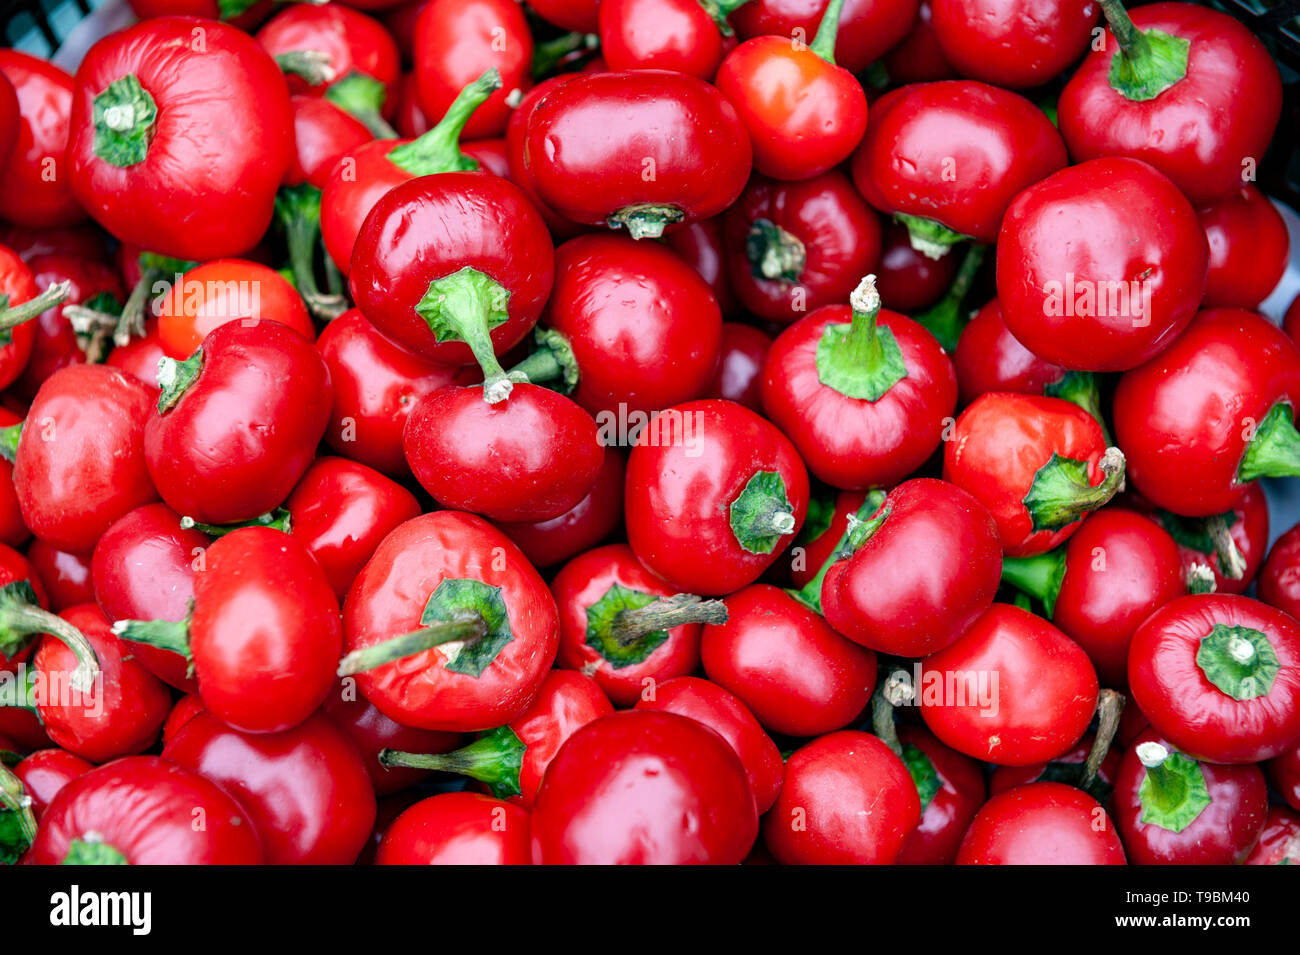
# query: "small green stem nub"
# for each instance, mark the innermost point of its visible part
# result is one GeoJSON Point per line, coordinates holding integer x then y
{"type": "Point", "coordinates": [860, 360]}
{"type": "Point", "coordinates": [470, 627]}
{"type": "Point", "coordinates": [465, 306]}
{"type": "Point", "coordinates": [123, 117]}
{"type": "Point", "coordinates": [773, 253]}
{"type": "Point", "coordinates": [278, 519]}
{"type": "Point", "coordinates": [645, 220]}
{"type": "Point", "coordinates": [438, 150]}
{"type": "Point", "coordinates": [1173, 791]}
{"type": "Point", "coordinates": [1147, 62]}
{"type": "Point", "coordinates": [92, 850]}
{"type": "Point", "coordinates": [945, 320]}
{"type": "Point", "coordinates": [173, 635]}
{"type": "Point", "coordinates": [932, 239]}
{"type": "Point", "coordinates": [312, 66]}
{"type": "Point", "coordinates": [175, 378]}
{"type": "Point", "coordinates": [9, 438]}
{"type": "Point", "coordinates": [1039, 576]}
{"type": "Point", "coordinates": [719, 10]}
{"type": "Point", "coordinates": [1061, 492]}
{"type": "Point", "coordinates": [823, 43]}
{"type": "Point", "coordinates": [1200, 579]}
{"type": "Point", "coordinates": [11, 316]}
{"type": "Point", "coordinates": [894, 689]}
{"type": "Point", "coordinates": [495, 758]}
{"type": "Point", "coordinates": [17, 822]}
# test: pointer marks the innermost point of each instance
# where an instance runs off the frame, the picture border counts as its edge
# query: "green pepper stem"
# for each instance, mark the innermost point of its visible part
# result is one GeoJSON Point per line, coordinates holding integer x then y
{"type": "Point", "coordinates": [438, 150]}
{"type": "Point", "coordinates": [1232, 564]}
{"type": "Point", "coordinates": [11, 316]}
{"type": "Point", "coordinates": [468, 629]}
{"type": "Point", "coordinates": [1168, 787]}
{"type": "Point", "coordinates": [19, 619]}
{"type": "Point", "coordinates": [893, 690]}
{"type": "Point", "coordinates": [810, 595]}
{"type": "Point", "coordinates": [823, 43]}
{"type": "Point", "coordinates": [298, 209]}
{"type": "Point", "coordinates": [631, 624]}
{"type": "Point", "coordinates": [1039, 576]}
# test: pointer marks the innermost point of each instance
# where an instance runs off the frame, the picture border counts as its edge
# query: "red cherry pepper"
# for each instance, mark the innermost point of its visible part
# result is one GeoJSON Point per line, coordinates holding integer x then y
{"type": "Point", "coordinates": [644, 788]}
{"type": "Point", "coordinates": [1175, 66]}
{"type": "Point", "coordinates": [989, 358]}
{"type": "Point", "coordinates": [1038, 464]}
{"type": "Point", "coordinates": [1012, 690]}
{"type": "Point", "coordinates": [85, 824]}
{"type": "Point", "coordinates": [489, 633]}
{"type": "Point", "coordinates": [80, 463]}
{"type": "Point", "coordinates": [581, 527]}
{"type": "Point", "coordinates": [867, 27]}
{"type": "Point", "coordinates": [622, 624]}
{"type": "Point", "coordinates": [455, 267]}
{"type": "Point", "coordinates": [181, 131]}
{"type": "Point", "coordinates": [306, 789]}
{"type": "Point", "coordinates": [1211, 413]}
{"type": "Point", "coordinates": [455, 41]}
{"type": "Point", "coordinates": [340, 54]}
{"type": "Point", "coordinates": [846, 799]}
{"type": "Point", "coordinates": [797, 675]}
{"type": "Point", "coordinates": [804, 114]}
{"type": "Point", "coordinates": [1172, 810]}
{"type": "Point", "coordinates": [143, 569]}
{"type": "Point", "coordinates": [1115, 571]}
{"type": "Point", "coordinates": [865, 395]}
{"type": "Point", "coordinates": [1249, 248]}
{"type": "Point", "coordinates": [35, 189]}
{"type": "Point", "coordinates": [643, 326]}
{"type": "Point", "coordinates": [186, 708]}
{"type": "Point", "coordinates": [372, 732]}
{"type": "Point", "coordinates": [638, 150]}
{"type": "Point", "coordinates": [1072, 767]}
{"type": "Point", "coordinates": [1013, 43]}
{"type": "Point", "coordinates": [66, 576]}
{"type": "Point", "coordinates": [1042, 824]}
{"type": "Point", "coordinates": [1279, 581]}
{"type": "Point", "coordinates": [45, 772]}
{"type": "Point", "coordinates": [1284, 774]}
{"type": "Point", "coordinates": [1233, 543]}
{"type": "Point", "coordinates": [82, 241]}
{"type": "Point", "coordinates": [229, 441]}
{"type": "Point", "coordinates": [717, 709]}
{"type": "Point", "coordinates": [1219, 677]}
{"type": "Point", "coordinates": [457, 829]}
{"type": "Point", "coordinates": [1279, 841]}
{"type": "Point", "coordinates": [677, 35]}
{"type": "Point", "coordinates": [264, 644]}
{"type": "Point", "coordinates": [713, 495]}
{"type": "Point", "coordinates": [512, 759]}
{"type": "Point", "coordinates": [700, 244]}
{"type": "Point", "coordinates": [947, 158]}
{"type": "Point", "coordinates": [951, 787]}
{"type": "Point", "coordinates": [516, 131]}
{"type": "Point", "coordinates": [322, 135]}
{"type": "Point", "coordinates": [740, 362]}
{"type": "Point", "coordinates": [793, 247]}
{"type": "Point", "coordinates": [908, 280]}
{"type": "Point", "coordinates": [341, 510]}
{"type": "Point", "coordinates": [917, 573]}
{"type": "Point", "coordinates": [123, 712]}
{"type": "Point", "coordinates": [1101, 265]}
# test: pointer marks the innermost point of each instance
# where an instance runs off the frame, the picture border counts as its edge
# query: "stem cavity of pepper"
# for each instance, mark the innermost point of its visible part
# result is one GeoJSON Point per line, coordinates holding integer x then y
{"type": "Point", "coordinates": [645, 220]}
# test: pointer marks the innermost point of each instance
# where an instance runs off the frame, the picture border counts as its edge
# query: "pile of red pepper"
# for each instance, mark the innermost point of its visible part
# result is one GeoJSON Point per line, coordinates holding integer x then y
{"type": "Point", "coordinates": [646, 431]}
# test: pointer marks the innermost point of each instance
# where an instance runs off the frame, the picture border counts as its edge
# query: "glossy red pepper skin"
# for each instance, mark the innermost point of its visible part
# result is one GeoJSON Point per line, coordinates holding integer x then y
{"type": "Point", "coordinates": [123, 712]}
{"type": "Point", "coordinates": [675, 35]}
{"type": "Point", "coordinates": [581, 527]}
{"type": "Point", "coordinates": [205, 186]}
{"type": "Point", "coordinates": [1247, 526]}
{"type": "Point", "coordinates": [531, 457]}
{"type": "Point", "coordinates": [997, 448]}
{"type": "Point", "coordinates": [1013, 43]}
{"type": "Point", "coordinates": [140, 357]}
{"type": "Point", "coordinates": [18, 283]}
{"type": "Point", "coordinates": [54, 343]}
{"type": "Point", "coordinates": [1226, 66]}
{"type": "Point", "coordinates": [237, 441]}
{"type": "Point", "coordinates": [159, 829]}
{"type": "Point", "coordinates": [740, 363]}
{"type": "Point", "coordinates": [14, 567]}
{"type": "Point", "coordinates": [322, 135]}
{"type": "Point", "coordinates": [867, 29]}
{"type": "Point", "coordinates": [700, 244]}
{"type": "Point", "coordinates": [1119, 569]}
{"type": "Point", "coordinates": [1175, 690]}
{"type": "Point", "coordinates": [726, 715]}
{"type": "Point", "coordinates": [1046, 690]}
{"type": "Point", "coordinates": [804, 115]}
{"type": "Point", "coordinates": [143, 569]}
{"type": "Point", "coordinates": [589, 142]}
{"type": "Point", "coordinates": [906, 279]}
{"type": "Point", "coordinates": [391, 594]}
{"type": "Point", "coordinates": [353, 42]}
{"type": "Point", "coordinates": [23, 727]}
{"type": "Point", "coordinates": [185, 709]}
{"type": "Point", "coordinates": [846, 800]}
{"type": "Point", "coordinates": [955, 151]}
{"type": "Point", "coordinates": [818, 543]}
{"type": "Point", "coordinates": [948, 813]}
{"type": "Point", "coordinates": [431, 227]}
{"type": "Point", "coordinates": [459, 828]}
{"type": "Point", "coordinates": [84, 241]}
{"type": "Point", "coordinates": [836, 235]}
{"type": "Point", "coordinates": [341, 510]}
{"type": "Point", "coordinates": [1249, 248]}
{"type": "Point", "coordinates": [1279, 841]}
{"type": "Point", "coordinates": [35, 190]}
{"type": "Point", "coordinates": [455, 41]}
{"type": "Point", "coordinates": [644, 788]}
{"type": "Point", "coordinates": [10, 119]}
{"type": "Point", "coordinates": [1008, 777]}
{"type": "Point", "coordinates": [1221, 833]}
{"type": "Point", "coordinates": [797, 675]}
{"type": "Point", "coordinates": [582, 583]}
{"type": "Point", "coordinates": [355, 183]}
{"type": "Point", "coordinates": [923, 576]}
{"type": "Point", "coordinates": [13, 532]}
{"type": "Point", "coordinates": [1283, 773]}
{"type": "Point", "coordinates": [516, 130]}
{"type": "Point", "coordinates": [263, 609]}
{"type": "Point", "coordinates": [1082, 284]}
{"type": "Point", "coordinates": [643, 325]}
{"type": "Point", "coordinates": [989, 358]}
{"type": "Point", "coordinates": [919, 58]}
{"type": "Point", "coordinates": [579, 15]}
{"type": "Point", "coordinates": [306, 789]}
{"type": "Point", "coordinates": [1279, 580]}
{"type": "Point", "coordinates": [66, 576]}
{"type": "Point", "coordinates": [92, 470]}
{"type": "Point", "coordinates": [678, 496]}
{"type": "Point", "coordinates": [372, 732]}
{"type": "Point", "coordinates": [376, 384]}
{"type": "Point", "coordinates": [1189, 411]}
{"type": "Point", "coordinates": [1042, 824]}
{"type": "Point", "coordinates": [855, 443]}
{"type": "Point", "coordinates": [45, 772]}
